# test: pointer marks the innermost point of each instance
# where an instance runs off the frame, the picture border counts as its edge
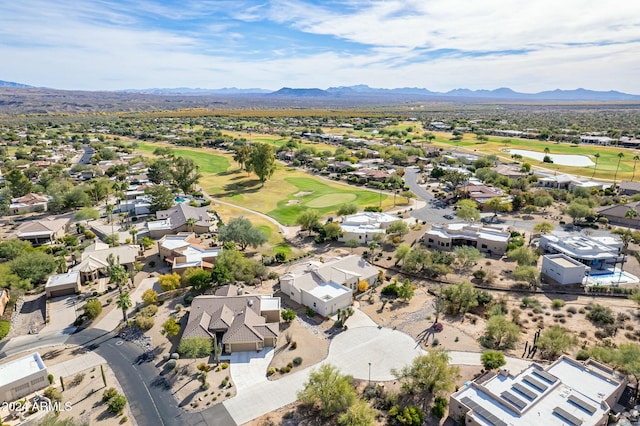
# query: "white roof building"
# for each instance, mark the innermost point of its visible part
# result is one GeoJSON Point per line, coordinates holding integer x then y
{"type": "Point", "coordinates": [486, 238]}
{"type": "Point", "coordinates": [362, 226]}
{"type": "Point", "coordinates": [596, 252]}
{"type": "Point", "coordinates": [22, 376]}
{"type": "Point", "coordinates": [62, 284]}
{"type": "Point", "coordinates": [327, 287]}
{"type": "Point", "coordinates": [567, 392]}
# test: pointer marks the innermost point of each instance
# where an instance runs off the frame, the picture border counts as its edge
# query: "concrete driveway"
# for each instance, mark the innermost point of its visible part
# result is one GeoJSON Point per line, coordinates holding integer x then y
{"type": "Point", "coordinates": [62, 313]}
{"type": "Point", "coordinates": [250, 368]}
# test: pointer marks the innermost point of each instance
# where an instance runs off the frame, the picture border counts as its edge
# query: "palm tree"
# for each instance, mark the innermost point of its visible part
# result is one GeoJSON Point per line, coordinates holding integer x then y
{"type": "Point", "coordinates": [546, 150]}
{"type": "Point", "coordinates": [109, 209]}
{"type": "Point", "coordinates": [596, 155]}
{"type": "Point", "coordinates": [630, 214]}
{"type": "Point", "coordinates": [635, 160]}
{"type": "Point", "coordinates": [117, 273]}
{"type": "Point", "coordinates": [124, 303]}
{"type": "Point", "coordinates": [133, 233]}
{"type": "Point", "coordinates": [615, 176]}
{"type": "Point", "coordinates": [191, 222]}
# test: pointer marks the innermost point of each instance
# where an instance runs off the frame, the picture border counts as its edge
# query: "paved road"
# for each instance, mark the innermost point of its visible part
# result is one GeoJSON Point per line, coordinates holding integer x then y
{"type": "Point", "coordinates": [434, 212]}
{"type": "Point", "coordinates": [86, 155]}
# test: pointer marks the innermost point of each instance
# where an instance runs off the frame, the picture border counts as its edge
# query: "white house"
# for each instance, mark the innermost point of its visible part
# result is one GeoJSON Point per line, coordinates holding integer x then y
{"type": "Point", "coordinates": [561, 269]}
{"type": "Point", "coordinates": [363, 226]}
{"type": "Point", "coordinates": [327, 287]}
{"type": "Point", "coordinates": [486, 238]}
{"type": "Point", "coordinates": [596, 252]}
{"type": "Point", "coordinates": [567, 392]}
{"type": "Point", "coordinates": [22, 376]}
{"type": "Point", "coordinates": [63, 284]}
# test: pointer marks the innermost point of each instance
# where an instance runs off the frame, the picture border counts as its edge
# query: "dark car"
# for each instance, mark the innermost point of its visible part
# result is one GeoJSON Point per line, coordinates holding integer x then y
{"type": "Point", "coordinates": [448, 216]}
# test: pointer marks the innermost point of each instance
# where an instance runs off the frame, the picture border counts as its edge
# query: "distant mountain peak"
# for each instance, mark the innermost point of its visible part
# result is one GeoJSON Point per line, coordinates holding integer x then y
{"type": "Point", "coordinates": [311, 92]}
{"type": "Point", "coordinates": [13, 84]}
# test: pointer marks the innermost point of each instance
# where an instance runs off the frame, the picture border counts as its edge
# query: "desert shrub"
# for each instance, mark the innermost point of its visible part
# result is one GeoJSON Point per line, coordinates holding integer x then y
{"type": "Point", "coordinates": [557, 303]}
{"type": "Point", "coordinates": [411, 415]}
{"type": "Point", "coordinates": [600, 314]}
{"type": "Point", "coordinates": [149, 311]}
{"type": "Point", "coordinates": [224, 366]}
{"type": "Point", "coordinates": [390, 290]}
{"type": "Point", "coordinates": [123, 420]}
{"type": "Point", "coordinates": [439, 407]}
{"type": "Point", "coordinates": [117, 403]}
{"type": "Point", "coordinates": [572, 310]}
{"type": "Point", "coordinates": [195, 347]}
{"type": "Point", "coordinates": [582, 355]}
{"type": "Point", "coordinates": [271, 371]}
{"type": "Point", "coordinates": [529, 302]}
{"type": "Point", "coordinates": [108, 394]}
{"type": "Point", "coordinates": [297, 361]}
{"type": "Point", "coordinates": [51, 378]}
{"type": "Point", "coordinates": [203, 367]}
{"type": "Point", "coordinates": [479, 274]}
{"type": "Point", "coordinates": [53, 394]}
{"type": "Point", "coordinates": [93, 308]}
{"type": "Point", "coordinates": [78, 378]}
{"type": "Point", "coordinates": [144, 323]}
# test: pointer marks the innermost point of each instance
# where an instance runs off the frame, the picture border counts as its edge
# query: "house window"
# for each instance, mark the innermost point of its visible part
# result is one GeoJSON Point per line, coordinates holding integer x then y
{"type": "Point", "coordinates": [484, 246]}
{"type": "Point", "coordinates": [430, 240]}
{"type": "Point", "coordinates": [360, 237]}
{"type": "Point", "coordinates": [314, 304]}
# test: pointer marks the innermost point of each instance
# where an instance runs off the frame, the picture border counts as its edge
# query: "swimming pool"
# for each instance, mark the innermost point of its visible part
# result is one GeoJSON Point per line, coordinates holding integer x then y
{"type": "Point", "coordinates": [180, 200]}
{"type": "Point", "coordinates": [612, 278]}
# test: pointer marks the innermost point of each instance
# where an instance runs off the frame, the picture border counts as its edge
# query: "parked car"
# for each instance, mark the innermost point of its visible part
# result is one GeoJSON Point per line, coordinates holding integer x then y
{"type": "Point", "coordinates": [448, 216]}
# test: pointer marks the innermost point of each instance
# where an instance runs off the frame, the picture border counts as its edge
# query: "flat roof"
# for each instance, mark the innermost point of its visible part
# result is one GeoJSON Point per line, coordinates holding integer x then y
{"type": "Point", "coordinates": [328, 291]}
{"type": "Point", "coordinates": [21, 367]}
{"type": "Point", "coordinates": [67, 278]}
{"type": "Point", "coordinates": [564, 261]}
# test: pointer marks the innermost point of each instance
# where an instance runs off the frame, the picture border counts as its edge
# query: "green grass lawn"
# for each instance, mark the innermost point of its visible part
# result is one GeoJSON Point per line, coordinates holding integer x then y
{"type": "Point", "coordinates": [222, 178]}
{"type": "Point", "coordinates": [606, 164]}
{"type": "Point", "coordinates": [321, 196]}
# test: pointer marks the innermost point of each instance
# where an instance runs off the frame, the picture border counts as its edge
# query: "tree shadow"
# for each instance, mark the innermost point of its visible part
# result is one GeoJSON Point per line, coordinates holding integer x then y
{"type": "Point", "coordinates": [187, 400]}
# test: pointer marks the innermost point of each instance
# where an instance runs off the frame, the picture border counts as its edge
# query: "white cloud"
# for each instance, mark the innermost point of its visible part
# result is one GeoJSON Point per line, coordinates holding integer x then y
{"type": "Point", "coordinates": [98, 45]}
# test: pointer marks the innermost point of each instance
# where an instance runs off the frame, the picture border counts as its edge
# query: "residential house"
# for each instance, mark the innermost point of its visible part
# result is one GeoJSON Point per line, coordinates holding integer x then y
{"type": "Point", "coordinates": [22, 376]}
{"type": "Point", "coordinates": [62, 284]}
{"type": "Point", "coordinates": [177, 218]}
{"type": "Point", "coordinates": [567, 392]}
{"type": "Point", "coordinates": [43, 231]}
{"type": "Point", "coordinates": [490, 239]}
{"type": "Point", "coordinates": [563, 270]}
{"type": "Point", "coordinates": [28, 203]}
{"type": "Point", "coordinates": [599, 253]}
{"type": "Point", "coordinates": [629, 188]}
{"type": "Point", "coordinates": [95, 260]}
{"type": "Point", "coordinates": [617, 214]}
{"type": "Point", "coordinates": [327, 287]}
{"type": "Point", "coordinates": [481, 193]}
{"type": "Point", "coordinates": [4, 300]}
{"type": "Point", "coordinates": [183, 251]}
{"type": "Point", "coordinates": [510, 170]}
{"type": "Point", "coordinates": [375, 175]}
{"type": "Point", "coordinates": [363, 226]}
{"type": "Point", "coordinates": [240, 322]}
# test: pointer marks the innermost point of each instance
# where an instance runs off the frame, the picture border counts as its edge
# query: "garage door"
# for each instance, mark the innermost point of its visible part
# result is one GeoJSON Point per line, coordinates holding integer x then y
{"type": "Point", "coordinates": [62, 292]}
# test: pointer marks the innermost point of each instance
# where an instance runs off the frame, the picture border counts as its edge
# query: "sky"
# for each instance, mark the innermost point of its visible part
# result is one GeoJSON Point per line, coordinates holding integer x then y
{"type": "Point", "coordinates": [440, 45]}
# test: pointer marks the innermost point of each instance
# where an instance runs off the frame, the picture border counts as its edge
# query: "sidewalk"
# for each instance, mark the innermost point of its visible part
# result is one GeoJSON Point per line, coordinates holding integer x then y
{"type": "Point", "coordinates": [75, 365]}
{"type": "Point", "coordinates": [112, 319]}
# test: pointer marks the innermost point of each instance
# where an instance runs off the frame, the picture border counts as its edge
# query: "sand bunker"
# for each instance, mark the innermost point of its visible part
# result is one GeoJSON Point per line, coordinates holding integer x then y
{"type": "Point", "coordinates": [560, 159]}
{"type": "Point", "coordinates": [293, 202]}
{"type": "Point", "coordinates": [302, 193]}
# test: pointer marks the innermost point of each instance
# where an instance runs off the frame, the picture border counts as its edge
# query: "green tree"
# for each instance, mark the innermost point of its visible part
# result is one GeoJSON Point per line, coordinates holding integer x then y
{"type": "Point", "coordinates": [358, 414]}
{"type": "Point", "coordinates": [288, 315]}
{"type": "Point", "coordinates": [160, 198]}
{"type": "Point", "coordinates": [500, 333]}
{"type": "Point", "coordinates": [399, 227]}
{"type": "Point", "coordinates": [93, 308]}
{"type": "Point", "coordinates": [597, 156]}
{"type": "Point", "coordinates": [262, 161]}
{"type": "Point", "coordinates": [352, 244]}
{"type": "Point", "coordinates": [328, 390]}
{"type": "Point", "coordinates": [198, 278]}
{"type": "Point", "coordinates": [401, 253]}
{"type": "Point", "coordinates": [466, 257]}
{"type": "Point", "coordinates": [86, 213]}
{"type": "Point", "coordinates": [170, 327]}
{"type": "Point", "coordinates": [635, 161]}
{"type": "Point", "coordinates": [169, 282]}
{"type": "Point", "coordinates": [242, 232]}
{"type": "Point", "coordinates": [578, 211]}
{"type": "Point", "coordinates": [116, 403]}
{"type": "Point", "coordinates": [308, 219]}
{"type": "Point", "coordinates": [492, 359]}
{"type": "Point", "coordinates": [528, 274]}
{"type": "Point", "coordinates": [347, 209]}
{"type": "Point", "coordinates": [220, 274]}
{"type": "Point", "coordinates": [459, 298]}
{"type": "Point", "coordinates": [11, 249]}
{"type": "Point", "coordinates": [242, 154]}
{"type": "Point", "coordinates": [195, 347]}
{"type": "Point", "coordinates": [428, 375]}
{"type": "Point", "coordinates": [117, 273]}
{"type": "Point", "coordinates": [555, 340]}
{"type": "Point", "coordinates": [159, 171]}
{"type": "Point", "coordinates": [467, 210]}
{"type": "Point", "coordinates": [406, 290]}
{"type": "Point", "coordinates": [409, 415]}
{"type": "Point", "coordinates": [18, 183]}
{"type": "Point", "coordinates": [185, 174]}
{"type": "Point", "coordinates": [524, 256]}
{"type": "Point", "coordinates": [34, 266]}
{"type": "Point", "coordinates": [124, 303]}
{"type": "Point", "coordinates": [615, 176]}
{"type": "Point", "coordinates": [332, 231]}
{"type": "Point", "coordinates": [543, 227]}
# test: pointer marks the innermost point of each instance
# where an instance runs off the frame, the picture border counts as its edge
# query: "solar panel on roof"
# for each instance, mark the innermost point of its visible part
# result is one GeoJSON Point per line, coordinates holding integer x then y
{"type": "Point", "coordinates": [482, 412]}
{"type": "Point", "coordinates": [513, 399]}
{"type": "Point", "coordinates": [535, 383]}
{"type": "Point", "coordinates": [567, 416]}
{"type": "Point", "coordinates": [546, 376]}
{"type": "Point", "coordinates": [582, 404]}
{"type": "Point", "coordinates": [525, 391]}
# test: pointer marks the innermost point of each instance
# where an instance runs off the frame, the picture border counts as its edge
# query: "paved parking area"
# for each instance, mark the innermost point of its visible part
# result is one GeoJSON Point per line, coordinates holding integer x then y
{"type": "Point", "coordinates": [62, 313]}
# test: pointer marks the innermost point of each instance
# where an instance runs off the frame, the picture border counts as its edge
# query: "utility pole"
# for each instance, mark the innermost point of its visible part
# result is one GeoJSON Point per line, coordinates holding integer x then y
{"type": "Point", "coordinates": [369, 374]}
